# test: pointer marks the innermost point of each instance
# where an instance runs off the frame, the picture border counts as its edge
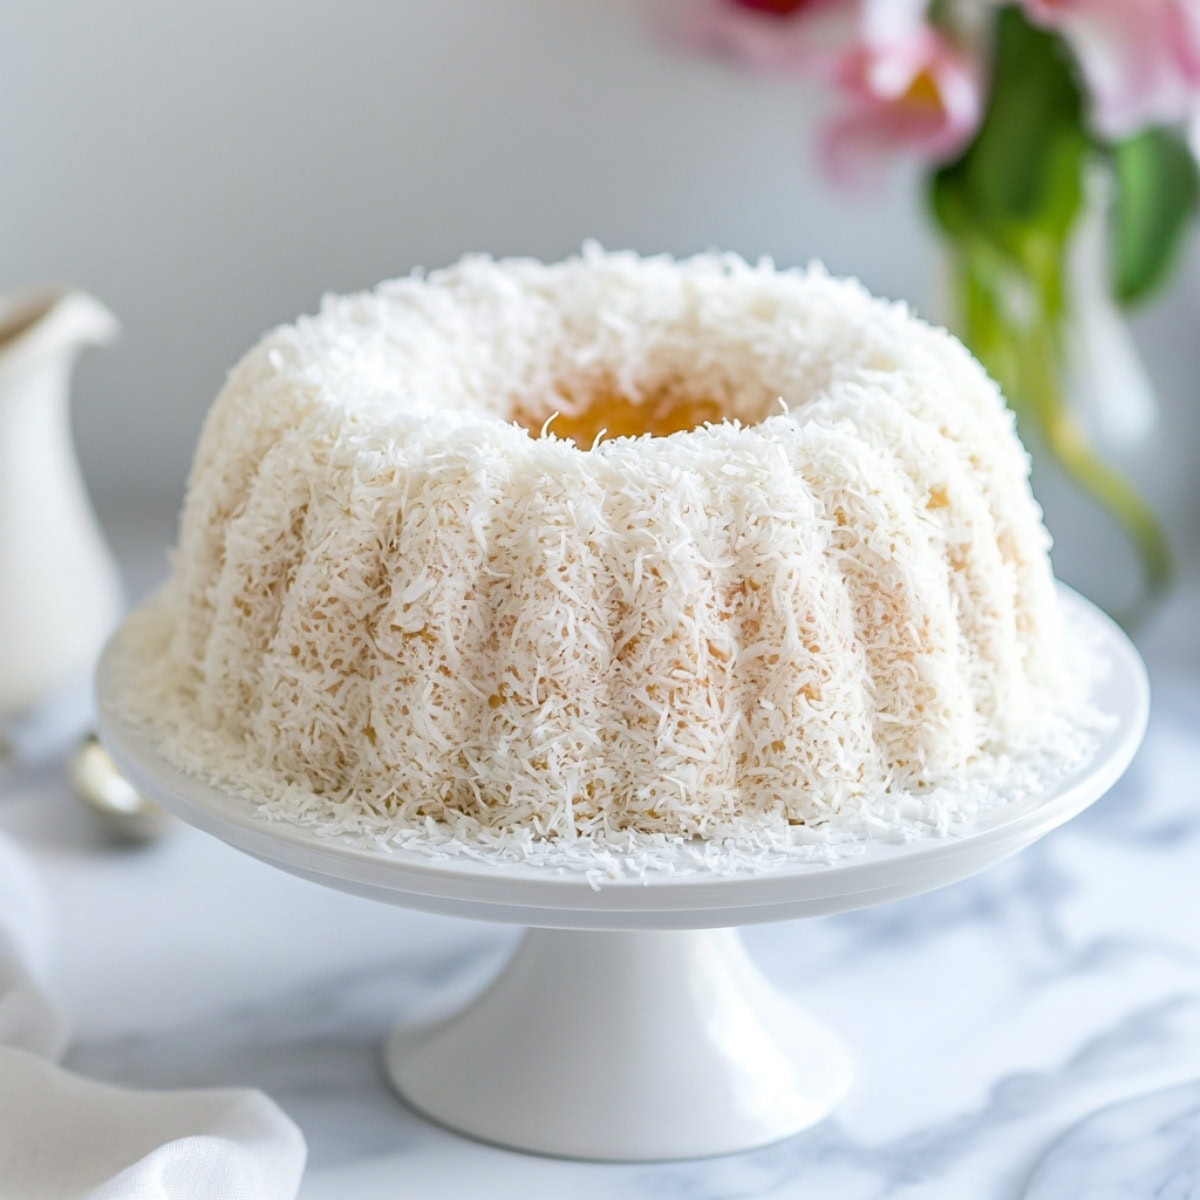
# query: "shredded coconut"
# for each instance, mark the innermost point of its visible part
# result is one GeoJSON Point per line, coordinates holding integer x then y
{"type": "Point", "coordinates": [404, 608]}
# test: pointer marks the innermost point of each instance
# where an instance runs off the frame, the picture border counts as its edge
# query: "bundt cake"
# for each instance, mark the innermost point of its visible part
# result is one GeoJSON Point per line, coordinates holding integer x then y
{"type": "Point", "coordinates": [614, 544]}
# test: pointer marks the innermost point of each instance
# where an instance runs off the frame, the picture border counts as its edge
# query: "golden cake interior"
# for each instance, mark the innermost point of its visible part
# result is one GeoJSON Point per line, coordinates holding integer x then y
{"type": "Point", "coordinates": [582, 414]}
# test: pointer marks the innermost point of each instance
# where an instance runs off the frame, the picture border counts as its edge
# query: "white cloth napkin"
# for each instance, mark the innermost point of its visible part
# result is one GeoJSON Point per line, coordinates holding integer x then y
{"type": "Point", "coordinates": [67, 1138]}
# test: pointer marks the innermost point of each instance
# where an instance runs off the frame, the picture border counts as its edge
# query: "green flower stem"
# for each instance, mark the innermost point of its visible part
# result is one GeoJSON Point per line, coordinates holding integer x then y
{"type": "Point", "coordinates": [1012, 314]}
{"type": "Point", "coordinates": [1063, 436]}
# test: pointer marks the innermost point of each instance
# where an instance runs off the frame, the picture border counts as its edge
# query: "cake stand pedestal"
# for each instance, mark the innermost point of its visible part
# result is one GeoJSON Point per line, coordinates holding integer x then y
{"type": "Point", "coordinates": [632, 1045]}
{"type": "Point", "coordinates": [630, 1024]}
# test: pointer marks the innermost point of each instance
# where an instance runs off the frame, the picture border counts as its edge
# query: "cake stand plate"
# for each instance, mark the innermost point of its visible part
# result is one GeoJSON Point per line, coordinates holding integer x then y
{"type": "Point", "coordinates": [630, 1024]}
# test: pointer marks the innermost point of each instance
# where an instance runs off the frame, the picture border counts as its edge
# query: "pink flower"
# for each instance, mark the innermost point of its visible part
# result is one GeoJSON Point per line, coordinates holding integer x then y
{"type": "Point", "coordinates": [1140, 58]}
{"type": "Point", "coordinates": [916, 91]}
{"type": "Point", "coordinates": [908, 85]}
{"type": "Point", "coordinates": [779, 9]}
{"type": "Point", "coordinates": [771, 35]}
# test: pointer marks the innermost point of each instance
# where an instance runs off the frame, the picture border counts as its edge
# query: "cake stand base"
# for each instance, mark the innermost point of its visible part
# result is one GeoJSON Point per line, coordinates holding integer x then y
{"type": "Point", "coordinates": [623, 1046]}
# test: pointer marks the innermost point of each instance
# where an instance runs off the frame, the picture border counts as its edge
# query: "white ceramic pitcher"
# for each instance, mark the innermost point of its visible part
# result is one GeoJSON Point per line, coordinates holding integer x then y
{"type": "Point", "coordinates": [59, 590]}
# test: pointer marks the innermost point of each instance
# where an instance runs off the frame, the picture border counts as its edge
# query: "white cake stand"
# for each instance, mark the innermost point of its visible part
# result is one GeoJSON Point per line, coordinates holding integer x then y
{"type": "Point", "coordinates": [630, 1024]}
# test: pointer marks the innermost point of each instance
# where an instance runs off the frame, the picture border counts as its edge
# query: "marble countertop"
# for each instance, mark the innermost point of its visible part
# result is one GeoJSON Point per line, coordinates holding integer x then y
{"type": "Point", "coordinates": [987, 1020]}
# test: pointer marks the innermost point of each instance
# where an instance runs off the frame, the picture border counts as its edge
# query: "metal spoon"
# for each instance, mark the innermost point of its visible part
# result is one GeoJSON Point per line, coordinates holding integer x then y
{"type": "Point", "coordinates": [115, 803]}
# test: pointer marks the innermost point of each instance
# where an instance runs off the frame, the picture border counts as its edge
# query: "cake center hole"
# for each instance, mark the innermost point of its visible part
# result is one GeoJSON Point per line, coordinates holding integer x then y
{"type": "Point", "coordinates": [582, 417]}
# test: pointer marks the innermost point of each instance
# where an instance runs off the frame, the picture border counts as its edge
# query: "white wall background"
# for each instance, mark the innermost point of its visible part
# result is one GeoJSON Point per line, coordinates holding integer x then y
{"type": "Point", "coordinates": [208, 168]}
